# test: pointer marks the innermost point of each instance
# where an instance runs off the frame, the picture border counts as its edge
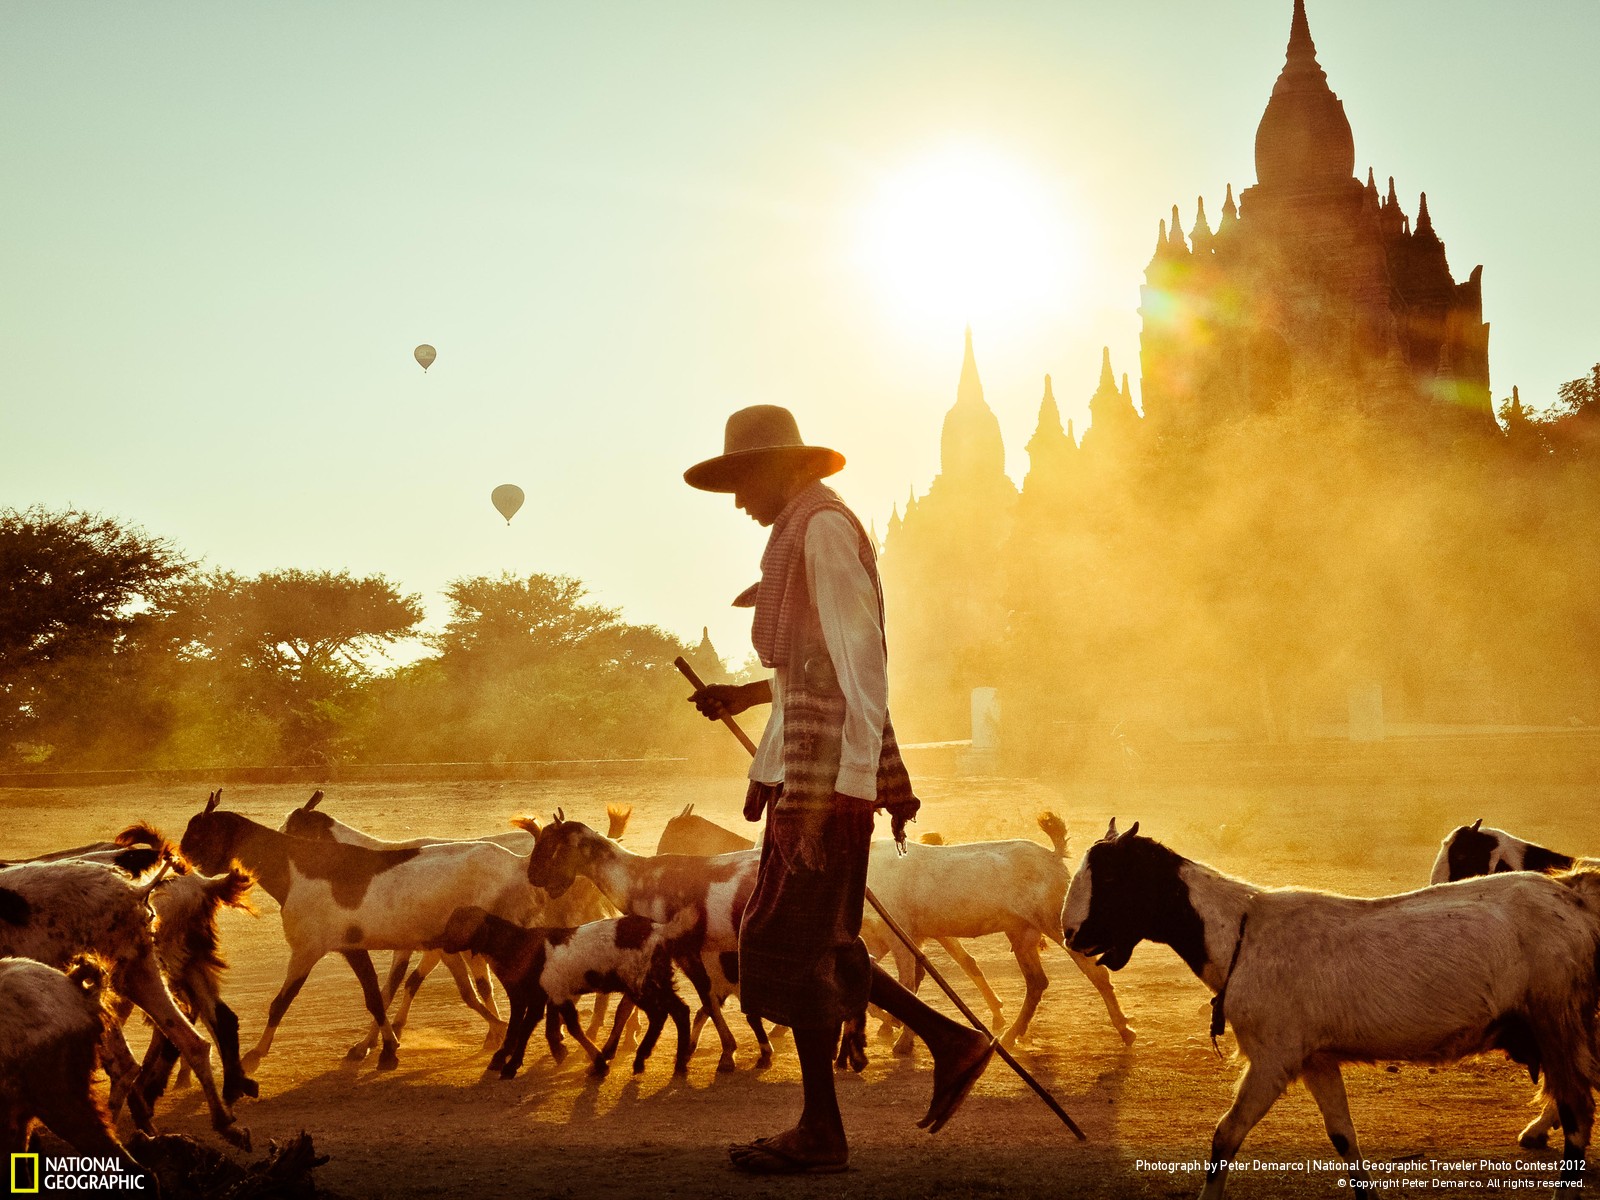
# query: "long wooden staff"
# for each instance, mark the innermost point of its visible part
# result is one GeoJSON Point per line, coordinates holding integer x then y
{"type": "Point", "coordinates": [922, 959]}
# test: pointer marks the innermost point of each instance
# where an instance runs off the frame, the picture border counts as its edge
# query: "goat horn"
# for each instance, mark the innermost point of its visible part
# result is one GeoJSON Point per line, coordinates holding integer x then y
{"type": "Point", "coordinates": [316, 799]}
{"type": "Point", "coordinates": [213, 800]}
{"type": "Point", "coordinates": [1477, 823]}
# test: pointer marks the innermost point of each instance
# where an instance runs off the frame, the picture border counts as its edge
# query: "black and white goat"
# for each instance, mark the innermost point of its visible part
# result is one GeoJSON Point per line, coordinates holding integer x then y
{"type": "Point", "coordinates": [56, 911]}
{"type": "Point", "coordinates": [716, 890]}
{"type": "Point", "coordinates": [1473, 850]}
{"type": "Point", "coordinates": [351, 900]}
{"type": "Point", "coordinates": [1311, 980]}
{"type": "Point", "coordinates": [51, 1023]}
{"type": "Point", "coordinates": [550, 968]}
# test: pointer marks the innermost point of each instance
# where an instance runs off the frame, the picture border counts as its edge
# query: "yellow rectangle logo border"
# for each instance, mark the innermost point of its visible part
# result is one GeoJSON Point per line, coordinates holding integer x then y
{"type": "Point", "coordinates": [37, 1173]}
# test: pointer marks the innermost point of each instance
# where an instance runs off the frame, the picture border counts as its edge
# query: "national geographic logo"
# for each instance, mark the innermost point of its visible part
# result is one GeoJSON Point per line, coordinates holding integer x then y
{"type": "Point", "coordinates": [31, 1175]}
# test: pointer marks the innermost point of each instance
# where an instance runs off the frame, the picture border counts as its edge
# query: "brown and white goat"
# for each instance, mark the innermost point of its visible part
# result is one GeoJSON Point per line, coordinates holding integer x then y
{"type": "Point", "coordinates": [55, 911]}
{"type": "Point", "coordinates": [546, 970]}
{"type": "Point", "coordinates": [972, 889]}
{"type": "Point", "coordinates": [1311, 981]}
{"type": "Point", "coordinates": [351, 900]}
{"type": "Point", "coordinates": [583, 903]}
{"type": "Point", "coordinates": [714, 890]}
{"type": "Point", "coordinates": [51, 1023]}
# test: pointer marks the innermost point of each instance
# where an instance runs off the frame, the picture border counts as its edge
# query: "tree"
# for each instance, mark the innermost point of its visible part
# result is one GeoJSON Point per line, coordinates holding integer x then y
{"type": "Point", "coordinates": [295, 647]}
{"type": "Point", "coordinates": [79, 589]}
{"type": "Point", "coordinates": [528, 668]}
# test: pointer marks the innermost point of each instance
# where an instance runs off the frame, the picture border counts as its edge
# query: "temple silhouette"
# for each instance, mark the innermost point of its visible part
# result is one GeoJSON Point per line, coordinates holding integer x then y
{"type": "Point", "coordinates": [1312, 288]}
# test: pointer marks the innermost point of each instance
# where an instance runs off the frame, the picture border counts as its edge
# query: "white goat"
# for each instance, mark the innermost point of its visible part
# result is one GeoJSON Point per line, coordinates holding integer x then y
{"type": "Point", "coordinates": [50, 1025]}
{"type": "Point", "coordinates": [944, 892]}
{"type": "Point", "coordinates": [1312, 980]}
{"type": "Point", "coordinates": [351, 900]}
{"type": "Point", "coordinates": [55, 911]}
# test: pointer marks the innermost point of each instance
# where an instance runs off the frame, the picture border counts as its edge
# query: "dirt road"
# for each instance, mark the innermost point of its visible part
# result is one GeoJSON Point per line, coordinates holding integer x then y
{"type": "Point", "coordinates": [437, 1127]}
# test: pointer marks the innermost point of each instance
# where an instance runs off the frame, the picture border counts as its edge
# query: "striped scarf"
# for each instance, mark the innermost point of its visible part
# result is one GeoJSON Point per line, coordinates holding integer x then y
{"type": "Point", "coordinates": [781, 599]}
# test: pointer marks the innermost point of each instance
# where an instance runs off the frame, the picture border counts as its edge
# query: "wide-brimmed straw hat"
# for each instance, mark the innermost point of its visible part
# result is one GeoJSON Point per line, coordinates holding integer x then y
{"type": "Point", "coordinates": [761, 436]}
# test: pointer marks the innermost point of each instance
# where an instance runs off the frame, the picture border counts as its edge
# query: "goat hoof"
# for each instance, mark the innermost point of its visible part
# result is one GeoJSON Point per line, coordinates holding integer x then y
{"type": "Point", "coordinates": [508, 1072]}
{"type": "Point", "coordinates": [389, 1060]}
{"type": "Point", "coordinates": [238, 1088]}
{"type": "Point", "coordinates": [599, 1069]}
{"type": "Point", "coordinates": [498, 1061]}
{"type": "Point", "coordinates": [250, 1062]}
{"type": "Point", "coordinates": [764, 1059]}
{"type": "Point", "coordinates": [495, 1038]}
{"type": "Point", "coordinates": [236, 1135]}
{"type": "Point", "coordinates": [1129, 1036]}
{"type": "Point", "coordinates": [355, 1053]}
{"type": "Point", "coordinates": [904, 1047]}
{"type": "Point", "coordinates": [1533, 1139]}
{"type": "Point", "coordinates": [638, 1066]}
{"type": "Point", "coordinates": [725, 1064]}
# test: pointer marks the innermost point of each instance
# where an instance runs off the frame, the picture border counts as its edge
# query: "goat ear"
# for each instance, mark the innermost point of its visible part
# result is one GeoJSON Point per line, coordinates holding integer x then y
{"type": "Point", "coordinates": [213, 800]}
{"type": "Point", "coordinates": [316, 799]}
{"type": "Point", "coordinates": [1132, 829]}
{"type": "Point", "coordinates": [1477, 823]}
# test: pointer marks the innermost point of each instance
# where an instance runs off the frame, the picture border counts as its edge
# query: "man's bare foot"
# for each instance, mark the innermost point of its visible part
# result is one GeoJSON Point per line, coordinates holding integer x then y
{"type": "Point", "coordinates": [957, 1064]}
{"type": "Point", "coordinates": [796, 1151]}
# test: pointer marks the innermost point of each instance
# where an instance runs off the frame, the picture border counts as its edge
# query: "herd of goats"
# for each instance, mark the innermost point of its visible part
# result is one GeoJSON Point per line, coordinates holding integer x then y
{"type": "Point", "coordinates": [1501, 952]}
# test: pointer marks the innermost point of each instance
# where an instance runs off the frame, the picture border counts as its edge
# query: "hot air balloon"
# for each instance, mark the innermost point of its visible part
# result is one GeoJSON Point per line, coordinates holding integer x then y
{"type": "Point", "coordinates": [507, 499]}
{"type": "Point", "coordinates": [425, 354]}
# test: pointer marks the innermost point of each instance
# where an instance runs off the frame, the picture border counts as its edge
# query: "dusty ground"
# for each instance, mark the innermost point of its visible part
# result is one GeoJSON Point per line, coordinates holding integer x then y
{"type": "Point", "coordinates": [437, 1127]}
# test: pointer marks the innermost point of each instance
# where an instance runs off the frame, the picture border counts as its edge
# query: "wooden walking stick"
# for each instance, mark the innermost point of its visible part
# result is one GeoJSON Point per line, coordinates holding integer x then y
{"type": "Point", "coordinates": [922, 959]}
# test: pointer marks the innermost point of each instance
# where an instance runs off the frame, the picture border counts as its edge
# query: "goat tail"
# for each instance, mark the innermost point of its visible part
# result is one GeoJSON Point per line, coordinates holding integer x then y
{"type": "Point", "coordinates": [1056, 830]}
{"type": "Point", "coordinates": [526, 824]}
{"type": "Point", "coordinates": [233, 889]}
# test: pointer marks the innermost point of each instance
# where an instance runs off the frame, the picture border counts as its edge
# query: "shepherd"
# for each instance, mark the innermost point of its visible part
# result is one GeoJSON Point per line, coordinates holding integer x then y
{"type": "Point", "coordinates": [826, 763]}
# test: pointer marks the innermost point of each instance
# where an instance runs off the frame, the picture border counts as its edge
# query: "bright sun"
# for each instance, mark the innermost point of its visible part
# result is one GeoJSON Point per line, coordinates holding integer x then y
{"type": "Point", "coordinates": [966, 235]}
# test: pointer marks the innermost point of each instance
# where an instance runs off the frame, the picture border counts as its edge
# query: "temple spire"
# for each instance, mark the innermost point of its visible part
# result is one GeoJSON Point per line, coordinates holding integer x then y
{"type": "Point", "coordinates": [970, 388]}
{"type": "Point", "coordinates": [1175, 234]}
{"type": "Point", "coordinates": [1424, 221]}
{"type": "Point", "coordinates": [1200, 236]}
{"type": "Point", "coordinates": [1108, 382]}
{"type": "Point", "coordinates": [1391, 200]}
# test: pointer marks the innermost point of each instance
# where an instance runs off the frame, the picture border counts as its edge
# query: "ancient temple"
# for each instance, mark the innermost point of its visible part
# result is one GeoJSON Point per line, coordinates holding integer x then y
{"type": "Point", "coordinates": [1311, 276]}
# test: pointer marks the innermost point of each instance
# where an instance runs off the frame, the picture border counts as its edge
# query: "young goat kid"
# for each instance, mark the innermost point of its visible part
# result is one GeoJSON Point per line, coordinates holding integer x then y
{"type": "Point", "coordinates": [714, 890]}
{"type": "Point", "coordinates": [547, 969]}
{"type": "Point", "coordinates": [1312, 980]}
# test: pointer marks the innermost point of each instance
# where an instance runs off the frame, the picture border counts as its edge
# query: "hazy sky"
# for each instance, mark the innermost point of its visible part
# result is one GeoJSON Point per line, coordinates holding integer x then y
{"type": "Point", "coordinates": [225, 226]}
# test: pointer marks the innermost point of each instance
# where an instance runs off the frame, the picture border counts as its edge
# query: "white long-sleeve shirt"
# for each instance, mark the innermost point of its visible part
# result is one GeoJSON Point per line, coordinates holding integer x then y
{"type": "Point", "coordinates": [847, 606]}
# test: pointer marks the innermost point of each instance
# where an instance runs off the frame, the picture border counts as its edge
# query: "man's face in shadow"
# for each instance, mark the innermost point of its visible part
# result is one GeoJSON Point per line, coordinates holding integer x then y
{"type": "Point", "coordinates": [768, 486]}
